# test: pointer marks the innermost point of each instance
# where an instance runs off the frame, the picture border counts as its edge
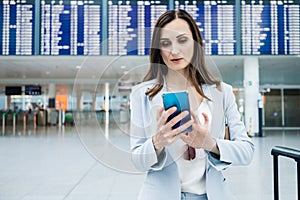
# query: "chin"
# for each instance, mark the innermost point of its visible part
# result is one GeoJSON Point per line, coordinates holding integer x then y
{"type": "Point", "coordinates": [179, 67]}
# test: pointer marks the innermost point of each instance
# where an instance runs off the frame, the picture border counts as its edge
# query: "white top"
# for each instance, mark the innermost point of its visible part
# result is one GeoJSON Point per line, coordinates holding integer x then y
{"type": "Point", "coordinates": [192, 172]}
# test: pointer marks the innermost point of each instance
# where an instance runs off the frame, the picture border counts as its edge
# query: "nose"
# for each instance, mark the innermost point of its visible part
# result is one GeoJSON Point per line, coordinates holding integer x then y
{"type": "Point", "coordinates": [175, 49]}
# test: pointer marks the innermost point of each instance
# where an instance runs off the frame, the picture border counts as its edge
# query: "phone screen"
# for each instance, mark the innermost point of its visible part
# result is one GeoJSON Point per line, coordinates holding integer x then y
{"type": "Point", "coordinates": [181, 101]}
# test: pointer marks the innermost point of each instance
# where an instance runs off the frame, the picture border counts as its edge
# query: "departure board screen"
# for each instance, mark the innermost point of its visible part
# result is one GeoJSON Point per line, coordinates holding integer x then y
{"type": "Point", "coordinates": [70, 27]}
{"type": "Point", "coordinates": [270, 27]}
{"type": "Point", "coordinates": [216, 21]}
{"type": "Point", "coordinates": [74, 27]}
{"type": "Point", "coordinates": [130, 25]}
{"type": "Point", "coordinates": [17, 27]}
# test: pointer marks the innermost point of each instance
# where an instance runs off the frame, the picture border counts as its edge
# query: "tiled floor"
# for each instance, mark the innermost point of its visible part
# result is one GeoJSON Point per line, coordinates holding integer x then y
{"type": "Point", "coordinates": [92, 161]}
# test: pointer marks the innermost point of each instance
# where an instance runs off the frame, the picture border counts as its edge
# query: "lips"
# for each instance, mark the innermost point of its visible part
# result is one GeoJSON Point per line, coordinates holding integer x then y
{"type": "Point", "coordinates": [176, 59]}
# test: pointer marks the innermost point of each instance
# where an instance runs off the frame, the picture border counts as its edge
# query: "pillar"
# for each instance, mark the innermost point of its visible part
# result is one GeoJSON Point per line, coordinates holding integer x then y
{"type": "Point", "coordinates": [251, 85]}
{"type": "Point", "coordinates": [94, 101]}
{"type": "Point", "coordinates": [77, 102]}
{"type": "Point", "coordinates": [106, 103]}
{"type": "Point", "coordinates": [51, 95]}
{"type": "Point", "coordinates": [78, 99]}
{"type": "Point", "coordinates": [51, 117]}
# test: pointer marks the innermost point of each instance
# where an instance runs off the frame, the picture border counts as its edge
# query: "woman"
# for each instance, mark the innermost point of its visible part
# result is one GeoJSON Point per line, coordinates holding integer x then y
{"type": "Point", "coordinates": [184, 165]}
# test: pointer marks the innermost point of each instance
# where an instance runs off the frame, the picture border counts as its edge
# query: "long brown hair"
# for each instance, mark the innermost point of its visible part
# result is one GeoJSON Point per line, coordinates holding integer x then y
{"type": "Point", "coordinates": [197, 70]}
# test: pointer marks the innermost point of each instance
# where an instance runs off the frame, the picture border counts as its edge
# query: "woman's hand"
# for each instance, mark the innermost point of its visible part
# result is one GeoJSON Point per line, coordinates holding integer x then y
{"type": "Point", "coordinates": [165, 134]}
{"type": "Point", "coordinates": [199, 137]}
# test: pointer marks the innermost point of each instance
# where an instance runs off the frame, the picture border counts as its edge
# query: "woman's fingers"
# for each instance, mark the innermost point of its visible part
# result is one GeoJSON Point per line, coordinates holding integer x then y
{"type": "Point", "coordinates": [176, 119]}
{"type": "Point", "coordinates": [195, 117]}
{"type": "Point", "coordinates": [206, 119]}
{"type": "Point", "coordinates": [166, 134]}
{"type": "Point", "coordinates": [181, 129]}
{"type": "Point", "coordinates": [162, 116]}
{"type": "Point", "coordinates": [186, 138]}
{"type": "Point", "coordinates": [168, 112]}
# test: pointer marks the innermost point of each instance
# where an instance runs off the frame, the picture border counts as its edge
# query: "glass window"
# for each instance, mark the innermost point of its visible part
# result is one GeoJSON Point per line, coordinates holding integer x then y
{"type": "Point", "coordinates": [292, 107]}
{"type": "Point", "coordinates": [273, 111]}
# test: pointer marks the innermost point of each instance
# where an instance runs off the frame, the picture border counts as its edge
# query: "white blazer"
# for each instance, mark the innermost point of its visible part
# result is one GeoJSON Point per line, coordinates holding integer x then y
{"type": "Point", "coordinates": [162, 181]}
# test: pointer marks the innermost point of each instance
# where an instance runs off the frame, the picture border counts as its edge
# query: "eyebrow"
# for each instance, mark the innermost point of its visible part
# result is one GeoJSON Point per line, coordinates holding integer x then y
{"type": "Point", "coordinates": [181, 35]}
{"type": "Point", "coordinates": [176, 36]}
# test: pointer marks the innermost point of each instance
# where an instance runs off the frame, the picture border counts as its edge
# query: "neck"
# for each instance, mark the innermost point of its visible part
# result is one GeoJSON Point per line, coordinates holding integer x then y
{"type": "Point", "coordinates": [176, 80]}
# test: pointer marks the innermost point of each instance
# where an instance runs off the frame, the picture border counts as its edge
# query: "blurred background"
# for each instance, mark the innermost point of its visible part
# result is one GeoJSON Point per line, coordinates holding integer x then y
{"type": "Point", "coordinates": [67, 68]}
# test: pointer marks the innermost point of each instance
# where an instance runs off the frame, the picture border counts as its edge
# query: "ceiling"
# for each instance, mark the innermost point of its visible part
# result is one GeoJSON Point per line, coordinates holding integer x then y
{"type": "Point", "coordinates": [284, 70]}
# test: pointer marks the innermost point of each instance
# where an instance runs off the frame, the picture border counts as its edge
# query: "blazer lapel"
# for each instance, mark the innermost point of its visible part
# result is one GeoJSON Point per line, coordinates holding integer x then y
{"type": "Point", "coordinates": [216, 108]}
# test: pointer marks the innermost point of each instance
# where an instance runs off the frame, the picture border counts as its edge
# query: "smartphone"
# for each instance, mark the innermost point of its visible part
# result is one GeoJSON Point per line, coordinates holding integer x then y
{"type": "Point", "coordinates": [181, 101]}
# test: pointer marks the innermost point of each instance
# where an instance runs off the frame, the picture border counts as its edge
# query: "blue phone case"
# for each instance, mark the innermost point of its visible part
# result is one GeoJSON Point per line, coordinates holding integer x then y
{"type": "Point", "coordinates": [181, 101]}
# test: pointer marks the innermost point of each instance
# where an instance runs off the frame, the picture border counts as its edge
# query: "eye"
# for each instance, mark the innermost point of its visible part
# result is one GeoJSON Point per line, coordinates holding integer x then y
{"type": "Point", "coordinates": [182, 40]}
{"type": "Point", "coordinates": [165, 43]}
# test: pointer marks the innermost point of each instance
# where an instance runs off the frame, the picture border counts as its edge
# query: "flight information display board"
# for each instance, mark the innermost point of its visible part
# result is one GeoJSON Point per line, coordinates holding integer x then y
{"type": "Point", "coordinates": [130, 25]}
{"type": "Point", "coordinates": [74, 27]}
{"type": "Point", "coordinates": [270, 27]}
{"type": "Point", "coordinates": [17, 27]}
{"type": "Point", "coordinates": [216, 21]}
{"type": "Point", "coordinates": [70, 27]}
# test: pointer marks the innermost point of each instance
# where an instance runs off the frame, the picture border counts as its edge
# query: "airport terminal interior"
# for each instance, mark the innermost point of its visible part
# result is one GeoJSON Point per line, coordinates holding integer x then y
{"type": "Point", "coordinates": [67, 68]}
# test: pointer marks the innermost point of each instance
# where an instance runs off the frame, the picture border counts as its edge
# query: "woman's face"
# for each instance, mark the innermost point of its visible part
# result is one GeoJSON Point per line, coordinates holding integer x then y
{"type": "Point", "coordinates": [177, 45]}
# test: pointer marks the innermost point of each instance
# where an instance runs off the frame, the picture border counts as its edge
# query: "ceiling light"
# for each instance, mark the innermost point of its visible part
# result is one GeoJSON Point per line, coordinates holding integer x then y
{"type": "Point", "coordinates": [123, 67]}
{"type": "Point", "coordinates": [78, 67]}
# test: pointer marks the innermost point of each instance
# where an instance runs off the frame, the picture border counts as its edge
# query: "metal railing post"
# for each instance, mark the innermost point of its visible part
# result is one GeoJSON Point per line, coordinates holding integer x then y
{"type": "Point", "coordinates": [298, 174]}
{"type": "Point", "coordinates": [276, 183]}
{"type": "Point", "coordinates": [289, 153]}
